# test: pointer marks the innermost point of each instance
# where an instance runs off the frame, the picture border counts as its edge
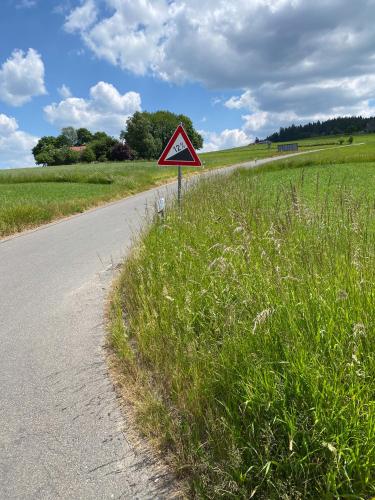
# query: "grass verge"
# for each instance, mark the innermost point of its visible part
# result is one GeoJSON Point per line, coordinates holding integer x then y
{"type": "Point", "coordinates": [247, 322]}
{"type": "Point", "coordinates": [34, 196]}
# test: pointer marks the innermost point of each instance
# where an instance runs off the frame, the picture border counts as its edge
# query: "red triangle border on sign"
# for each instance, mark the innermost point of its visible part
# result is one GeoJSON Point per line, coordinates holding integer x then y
{"type": "Point", "coordinates": [162, 160]}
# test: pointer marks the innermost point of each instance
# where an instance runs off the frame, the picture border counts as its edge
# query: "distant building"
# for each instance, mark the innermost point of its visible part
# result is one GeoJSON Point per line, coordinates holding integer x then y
{"type": "Point", "coordinates": [79, 149]}
{"type": "Point", "coordinates": [287, 147]}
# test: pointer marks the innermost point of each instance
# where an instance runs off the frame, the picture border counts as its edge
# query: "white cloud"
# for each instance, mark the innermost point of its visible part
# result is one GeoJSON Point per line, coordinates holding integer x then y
{"type": "Point", "coordinates": [81, 18]}
{"type": "Point", "coordinates": [106, 109]}
{"type": "Point", "coordinates": [256, 40]}
{"type": "Point", "coordinates": [15, 145]}
{"type": "Point", "coordinates": [64, 91]}
{"type": "Point", "coordinates": [8, 125]}
{"type": "Point", "coordinates": [26, 4]}
{"type": "Point", "coordinates": [228, 138]}
{"type": "Point", "coordinates": [287, 56]}
{"type": "Point", "coordinates": [22, 77]}
{"type": "Point", "coordinates": [246, 100]}
{"type": "Point", "coordinates": [131, 37]}
{"type": "Point", "coordinates": [272, 106]}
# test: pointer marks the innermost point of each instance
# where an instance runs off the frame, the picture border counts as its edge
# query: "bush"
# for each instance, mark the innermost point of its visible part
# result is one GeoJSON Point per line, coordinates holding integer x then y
{"type": "Point", "coordinates": [121, 152]}
{"type": "Point", "coordinates": [88, 155]}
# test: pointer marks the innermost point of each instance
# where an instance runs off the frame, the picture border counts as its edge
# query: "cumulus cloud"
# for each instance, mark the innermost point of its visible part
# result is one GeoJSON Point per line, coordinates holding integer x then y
{"type": "Point", "coordinates": [272, 106]}
{"type": "Point", "coordinates": [64, 91]}
{"type": "Point", "coordinates": [22, 77]}
{"type": "Point", "coordinates": [287, 57]}
{"type": "Point", "coordinates": [293, 38]}
{"type": "Point", "coordinates": [106, 109]}
{"type": "Point", "coordinates": [228, 138]}
{"type": "Point", "coordinates": [15, 145]}
{"type": "Point", "coordinates": [82, 17]}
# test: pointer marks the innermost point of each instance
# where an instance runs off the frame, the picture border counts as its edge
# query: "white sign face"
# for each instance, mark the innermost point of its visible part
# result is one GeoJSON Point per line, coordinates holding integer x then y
{"type": "Point", "coordinates": [179, 150]}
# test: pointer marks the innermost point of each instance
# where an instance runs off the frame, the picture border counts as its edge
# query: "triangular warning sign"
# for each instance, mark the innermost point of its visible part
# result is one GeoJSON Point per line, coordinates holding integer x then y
{"type": "Point", "coordinates": [179, 151]}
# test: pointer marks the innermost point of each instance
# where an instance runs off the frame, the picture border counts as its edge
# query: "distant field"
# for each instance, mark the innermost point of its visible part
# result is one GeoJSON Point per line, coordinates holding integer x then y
{"type": "Point", "coordinates": [250, 330]}
{"type": "Point", "coordinates": [33, 196]}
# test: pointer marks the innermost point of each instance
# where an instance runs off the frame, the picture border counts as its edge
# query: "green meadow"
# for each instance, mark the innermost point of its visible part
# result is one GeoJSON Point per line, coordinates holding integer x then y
{"type": "Point", "coordinates": [245, 323]}
{"type": "Point", "coordinates": [33, 196]}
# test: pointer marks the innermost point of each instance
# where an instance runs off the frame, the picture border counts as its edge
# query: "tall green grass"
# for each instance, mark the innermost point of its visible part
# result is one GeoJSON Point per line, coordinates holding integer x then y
{"type": "Point", "coordinates": [249, 325]}
{"type": "Point", "coordinates": [33, 196]}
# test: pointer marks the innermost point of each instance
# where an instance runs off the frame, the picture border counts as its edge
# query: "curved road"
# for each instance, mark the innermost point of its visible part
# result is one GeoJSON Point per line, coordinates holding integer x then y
{"type": "Point", "coordinates": [61, 428]}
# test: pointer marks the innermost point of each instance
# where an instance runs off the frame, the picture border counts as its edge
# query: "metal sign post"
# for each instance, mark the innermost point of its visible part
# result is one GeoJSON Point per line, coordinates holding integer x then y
{"type": "Point", "coordinates": [180, 152]}
{"type": "Point", "coordinates": [179, 185]}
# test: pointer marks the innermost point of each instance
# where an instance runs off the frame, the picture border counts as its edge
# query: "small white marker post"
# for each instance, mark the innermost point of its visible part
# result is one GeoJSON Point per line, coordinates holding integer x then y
{"type": "Point", "coordinates": [160, 206]}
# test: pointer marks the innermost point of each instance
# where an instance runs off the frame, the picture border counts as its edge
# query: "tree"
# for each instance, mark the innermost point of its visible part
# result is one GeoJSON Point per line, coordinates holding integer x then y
{"type": "Point", "coordinates": [88, 155]}
{"type": "Point", "coordinates": [335, 126]}
{"type": "Point", "coordinates": [121, 152]}
{"type": "Point", "coordinates": [350, 140]}
{"type": "Point", "coordinates": [71, 135]}
{"type": "Point", "coordinates": [102, 145]}
{"type": "Point", "coordinates": [84, 136]}
{"type": "Point", "coordinates": [138, 135]}
{"type": "Point", "coordinates": [61, 141]}
{"type": "Point", "coordinates": [43, 143]}
{"type": "Point", "coordinates": [46, 156]}
{"type": "Point", "coordinates": [148, 133]}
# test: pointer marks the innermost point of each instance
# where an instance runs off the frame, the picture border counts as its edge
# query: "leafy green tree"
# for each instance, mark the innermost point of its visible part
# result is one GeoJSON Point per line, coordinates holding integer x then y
{"type": "Point", "coordinates": [138, 132]}
{"type": "Point", "coordinates": [43, 143]}
{"type": "Point", "coordinates": [65, 156]}
{"type": "Point", "coordinates": [61, 141]}
{"type": "Point", "coordinates": [350, 140]}
{"type": "Point", "coordinates": [102, 145]}
{"type": "Point", "coordinates": [101, 136]}
{"type": "Point", "coordinates": [84, 136]}
{"type": "Point", "coordinates": [88, 155]}
{"type": "Point", "coordinates": [71, 135]}
{"type": "Point", "coordinates": [148, 133]}
{"type": "Point", "coordinates": [46, 156]}
{"type": "Point", "coordinates": [72, 157]}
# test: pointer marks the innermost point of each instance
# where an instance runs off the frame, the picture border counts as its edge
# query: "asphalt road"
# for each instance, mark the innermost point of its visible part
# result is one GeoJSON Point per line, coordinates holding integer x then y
{"type": "Point", "coordinates": [62, 433]}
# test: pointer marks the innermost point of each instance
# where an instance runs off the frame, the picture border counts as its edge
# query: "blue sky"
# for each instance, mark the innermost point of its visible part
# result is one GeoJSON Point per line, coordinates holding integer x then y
{"type": "Point", "coordinates": [238, 69]}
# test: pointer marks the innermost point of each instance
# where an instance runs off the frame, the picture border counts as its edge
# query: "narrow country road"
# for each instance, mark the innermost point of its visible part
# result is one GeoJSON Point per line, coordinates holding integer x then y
{"type": "Point", "coordinates": [62, 433]}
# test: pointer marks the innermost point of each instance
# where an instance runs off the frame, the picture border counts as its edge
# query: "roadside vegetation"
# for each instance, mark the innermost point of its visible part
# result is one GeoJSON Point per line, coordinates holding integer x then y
{"type": "Point", "coordinates": [34, 196]}
{"type": "Point", "coordinates": [144, 138]}
{"type": "Point", "coordinates": [245, 324]}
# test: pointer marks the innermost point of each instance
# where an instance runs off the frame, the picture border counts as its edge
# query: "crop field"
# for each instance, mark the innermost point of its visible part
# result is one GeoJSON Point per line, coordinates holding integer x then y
{"type": "Point", "coordinates": [33, 196]}
{"type": "Point", "coordinates": [249, 330]}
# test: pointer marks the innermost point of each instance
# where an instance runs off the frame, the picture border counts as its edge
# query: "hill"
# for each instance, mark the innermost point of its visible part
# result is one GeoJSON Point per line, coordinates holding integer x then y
{"type": "Point", "coordinates": [335, 126]}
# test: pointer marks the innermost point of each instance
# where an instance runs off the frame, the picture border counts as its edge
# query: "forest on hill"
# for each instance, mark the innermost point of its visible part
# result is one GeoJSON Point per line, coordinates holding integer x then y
{"type": "Point", "coordinates": [334, 126]}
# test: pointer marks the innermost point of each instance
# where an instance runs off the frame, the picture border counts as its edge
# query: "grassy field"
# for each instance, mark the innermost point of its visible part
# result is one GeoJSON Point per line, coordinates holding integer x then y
{"type": "Point", "coordinates": [249, 333]}
{"type": "Point", "coordinates": [33, 196]}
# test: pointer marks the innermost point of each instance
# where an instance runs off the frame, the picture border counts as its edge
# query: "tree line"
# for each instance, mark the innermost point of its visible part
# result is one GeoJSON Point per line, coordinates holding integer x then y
{"type": "Point", "coordinates": [334, 126]}
{"type": "Point", "coordinates": [144, 137]}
